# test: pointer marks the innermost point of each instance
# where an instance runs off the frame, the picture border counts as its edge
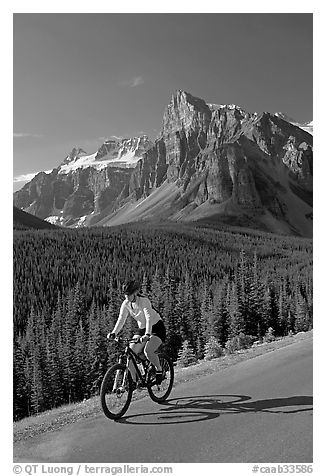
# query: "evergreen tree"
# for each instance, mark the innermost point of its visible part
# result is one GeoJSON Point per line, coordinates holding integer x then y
{"type": "Point", "coordinates": [145, 288]}
{"type": "Point", "coordinates": [270, 335]}
{"type": "Point", "coordinates": [97, 350]}
{"type": "Point", "coordinates": [186, 355]}
{"type": "Point", "coordinates": [255, 302]}
{"type": "Point", "coordinates": [168, 292]}
{"type": "Point", "coordinates": [235, 317]}
{"type": "Point", "coordinates": [206, 309]}
{"type": "Point", "coordinates": [242, 285]}
{"type": "Point", "coordinates": [80, 364]}
{"type": "Point", "coordinates": [302, 316]}
{"type": "Point", "coordinates": [282, 311]}
{"type": "Point", "coordinates": [173, 315]}
{"type": "Point", "coordinates": [20, 406]}
{"type": "Point", "coordinates": [156, 293]}
{"type": "Point", "coordinates": [212, 349]}
{"type": "Point", "coordinates": [53, 370]}
{"type": "Point", "coordinates": [271, 311]}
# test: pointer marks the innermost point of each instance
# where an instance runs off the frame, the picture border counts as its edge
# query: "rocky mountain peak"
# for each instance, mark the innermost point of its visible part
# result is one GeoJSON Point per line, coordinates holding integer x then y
{"type": "Point", "coordinates": [306, 126]}
{"type": "Point", "coordinates": [123, 149]}
{"type": "Point", "coordinates": [74, 155]}
{"type": "Point", "coordinates": [285, 117]}
{"type": "Point", "coordinates": [139, 145]}
{"type": "Point", "coordinates": [217, 159]}
{"type": "Point", "coordinates": [182, 98]}
{"type": "Point", "coordinates": [185, 113]}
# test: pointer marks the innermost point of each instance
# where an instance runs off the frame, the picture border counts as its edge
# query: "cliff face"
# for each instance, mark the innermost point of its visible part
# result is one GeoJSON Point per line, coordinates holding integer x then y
{"type": "Point", "coordinates": [83, 185]}
{"type": "Point", "coordinates": [68, 197]}
{"type": "Point", "coordinates": [215, 155]}
{"type": "Point", "coordinates": [222, 153]}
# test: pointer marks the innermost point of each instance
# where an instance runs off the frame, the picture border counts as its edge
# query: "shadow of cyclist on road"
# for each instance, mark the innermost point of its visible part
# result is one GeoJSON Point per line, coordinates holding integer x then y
{"type": "Point", "coordinates": [206, 407]}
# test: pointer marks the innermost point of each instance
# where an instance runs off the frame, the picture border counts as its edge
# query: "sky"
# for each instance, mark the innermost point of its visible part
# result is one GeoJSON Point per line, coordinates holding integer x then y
{"type": "Point", "coordinates": [81, 78]}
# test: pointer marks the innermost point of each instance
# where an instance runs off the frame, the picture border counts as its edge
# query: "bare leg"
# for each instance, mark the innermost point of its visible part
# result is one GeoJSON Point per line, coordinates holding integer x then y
{"type": "Point", "coordinates": [151, 346]}
{"type": "Point", "coordinates": [137, 348]}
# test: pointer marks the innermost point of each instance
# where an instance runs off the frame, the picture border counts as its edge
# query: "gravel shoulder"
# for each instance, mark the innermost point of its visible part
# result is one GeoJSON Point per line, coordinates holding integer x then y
{"type": "Point", "coordinates": [57, 418]}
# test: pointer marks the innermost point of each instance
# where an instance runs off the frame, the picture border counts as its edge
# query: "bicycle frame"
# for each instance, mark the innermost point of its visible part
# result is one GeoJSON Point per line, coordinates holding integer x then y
{"type": "Point", "coordinates": [133, 357]}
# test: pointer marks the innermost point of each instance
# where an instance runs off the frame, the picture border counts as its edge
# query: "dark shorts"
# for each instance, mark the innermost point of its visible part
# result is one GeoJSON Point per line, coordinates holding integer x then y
{"type": "Point", "coordinates": [158, 330]}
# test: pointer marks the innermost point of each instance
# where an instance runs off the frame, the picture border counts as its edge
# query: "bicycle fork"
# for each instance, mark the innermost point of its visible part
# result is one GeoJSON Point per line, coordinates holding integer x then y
{"type": "Point", "coordinates": [117, 377]}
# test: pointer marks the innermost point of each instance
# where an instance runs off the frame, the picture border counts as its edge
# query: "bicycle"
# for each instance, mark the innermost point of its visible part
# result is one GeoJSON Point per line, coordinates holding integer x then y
{"type": "Point", "coordinates": [117, 385]}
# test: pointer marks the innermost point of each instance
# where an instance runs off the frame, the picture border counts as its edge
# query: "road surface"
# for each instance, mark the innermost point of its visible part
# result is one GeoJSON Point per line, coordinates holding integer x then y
{"type": "Point", "coordinates": [259, 410]}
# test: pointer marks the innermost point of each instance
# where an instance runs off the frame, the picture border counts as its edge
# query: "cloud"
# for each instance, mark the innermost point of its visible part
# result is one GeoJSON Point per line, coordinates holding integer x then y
{"type": "Point", "coordinates": [133, 82]}
{"type": "Point", "coordinates": [20, 135]}
{"type": "Point", "coordinates": [28, 177]}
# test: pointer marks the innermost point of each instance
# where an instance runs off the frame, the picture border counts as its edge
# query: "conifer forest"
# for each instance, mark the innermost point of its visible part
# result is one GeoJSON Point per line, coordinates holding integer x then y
{"type": "Point", "coordinates": [205, 282]}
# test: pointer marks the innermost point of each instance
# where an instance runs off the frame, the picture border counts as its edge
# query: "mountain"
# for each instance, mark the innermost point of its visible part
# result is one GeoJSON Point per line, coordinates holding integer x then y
{"type": "Point", "coordinates": [210, 163]}
{"type": "Point", "coordinates": [83, 184]}
{"type": "Point", "coordinates": [306, 126]}
{"type": "Point", "coordinates": [26, 221]}
{"type": "Point", "coordinates": [113, 153]}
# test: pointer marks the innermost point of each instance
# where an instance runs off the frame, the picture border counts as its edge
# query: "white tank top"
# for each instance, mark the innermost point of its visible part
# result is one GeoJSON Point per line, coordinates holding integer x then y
{"type": "Point", "coordinates": [141, 310]}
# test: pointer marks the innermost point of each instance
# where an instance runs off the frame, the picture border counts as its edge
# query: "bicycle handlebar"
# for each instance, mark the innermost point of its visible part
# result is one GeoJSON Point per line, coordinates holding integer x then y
{"type": "Point", "coordinates": [120, 340]}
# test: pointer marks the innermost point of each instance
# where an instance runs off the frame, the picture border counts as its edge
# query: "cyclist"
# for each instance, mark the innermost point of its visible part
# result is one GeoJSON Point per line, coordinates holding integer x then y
{"type": "Point", "coordinates": [151, 330]}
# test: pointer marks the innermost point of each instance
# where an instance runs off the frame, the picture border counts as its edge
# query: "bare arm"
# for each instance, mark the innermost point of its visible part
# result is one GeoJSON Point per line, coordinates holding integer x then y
{"type": "Point", "coordinates": [148, 310]}
{"type": "Point", "coordinates": [121, 319]}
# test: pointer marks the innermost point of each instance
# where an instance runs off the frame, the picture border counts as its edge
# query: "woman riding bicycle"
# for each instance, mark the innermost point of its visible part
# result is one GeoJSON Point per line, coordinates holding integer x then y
{"type": "Point", "coordinates": [151, 332]}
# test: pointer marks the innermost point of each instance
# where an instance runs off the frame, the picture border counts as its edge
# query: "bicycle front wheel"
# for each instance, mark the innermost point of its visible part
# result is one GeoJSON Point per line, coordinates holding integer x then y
{"type": "Point", "coordinates": [159, 393]}
{"type": "Point", "coordinates": [116, 391]}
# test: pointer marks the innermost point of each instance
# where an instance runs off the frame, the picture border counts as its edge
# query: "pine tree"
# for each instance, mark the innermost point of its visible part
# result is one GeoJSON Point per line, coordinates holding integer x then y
{"type": "Point", "coordinates": [97, 350]}
{"type": "Point", "coordinates": [270, 309]}
{"type": "Point", "coordinates": [235, 318]}
{"type": "Point", "coordinates": [282, 311]}
{"type": "Point", "coordinates": [302, 316]}
{"type": "Point", "coordinates": [255, 304]}
{"type": "Point", "coordinates": [212, 349]}
{"type": "Point", "coordinates": [168, 297]}
{"type": "Point", "coordinates": [72, 316]}
{"type": "Point", "coordinates": [37, 388]}
{"type": "Point", "coordinates": [20, 406]}
{"type": "Point", "coordinates": [186, 355]}
{"type": "Point", "coordinates": [270, 335]}
{"type": "Point", "coordinates": [173, 312]}
{"type": "Point", "coordinates": [145, 288]}
{"type": "Point", "coordinates": [191, 320]}
{"type": "Point", "coordinates": [80, 362]}
{"type": "Point", "coordinates": [206, 307]}
{"type": "Point", "coordinates": [156, 294]}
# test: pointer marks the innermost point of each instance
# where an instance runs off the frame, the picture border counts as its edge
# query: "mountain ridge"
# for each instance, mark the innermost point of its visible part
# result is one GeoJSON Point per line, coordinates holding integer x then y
{"type": "Point", "coordinates": [220, 158]}
{"type": "Point", "coordinates": [26, 221]}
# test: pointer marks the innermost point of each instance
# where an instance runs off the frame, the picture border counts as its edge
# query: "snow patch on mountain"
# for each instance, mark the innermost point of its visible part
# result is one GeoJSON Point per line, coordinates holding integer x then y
{"type": "Point", "coordinates": [231, 107]}
{"type": "Point", "coordinates": [29, 176]}
{"type": "Point", "coordinates": [123, 153]}
{"type": "Point", "coordinates": [54, 220]}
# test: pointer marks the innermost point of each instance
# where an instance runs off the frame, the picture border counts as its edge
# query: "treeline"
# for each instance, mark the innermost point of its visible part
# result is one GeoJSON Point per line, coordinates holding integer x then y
{"type": "Point", "coordinates": [204, 283]}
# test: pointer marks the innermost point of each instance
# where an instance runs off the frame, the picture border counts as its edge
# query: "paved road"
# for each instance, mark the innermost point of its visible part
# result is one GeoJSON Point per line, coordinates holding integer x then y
{"type": "Point", "coordinates": [258, 410]}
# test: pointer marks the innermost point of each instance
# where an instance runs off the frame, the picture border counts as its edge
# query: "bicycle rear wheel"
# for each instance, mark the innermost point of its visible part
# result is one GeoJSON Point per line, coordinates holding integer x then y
{"type": "Point", "coordinates": [116, 391]}
{"type": "Point", "coordinates": [159, 393]}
